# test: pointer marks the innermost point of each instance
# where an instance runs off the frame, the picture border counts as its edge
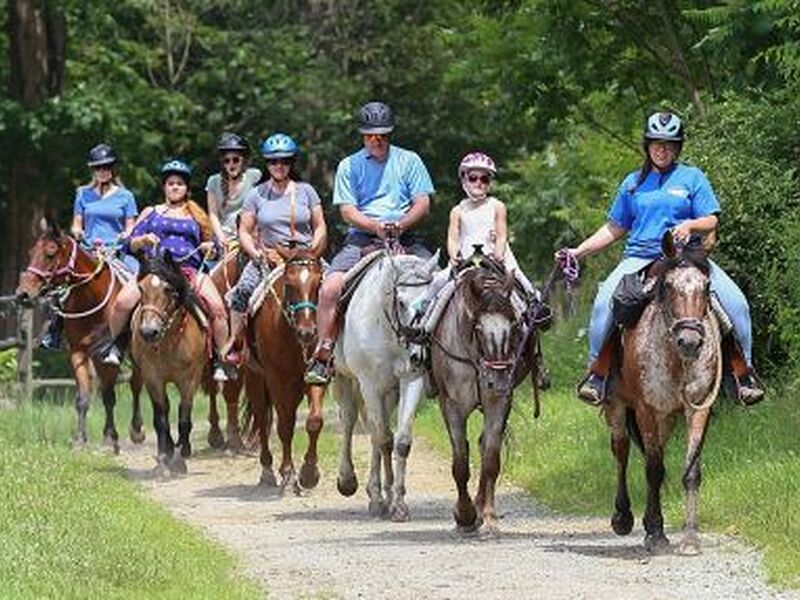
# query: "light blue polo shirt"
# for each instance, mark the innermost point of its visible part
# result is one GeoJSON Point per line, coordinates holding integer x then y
{"type": "Point", "coordinates": [659, 203]}
{"type": "Point", "coordinates": [381, 190]}
{"type": "Point", "coordinates": [104, 218]}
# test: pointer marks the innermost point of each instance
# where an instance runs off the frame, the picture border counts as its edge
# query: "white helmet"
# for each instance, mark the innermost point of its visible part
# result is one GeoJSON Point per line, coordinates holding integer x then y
{"type": "Point", "coordinates": [476, 160]}
{"type": "Point", "coordinates": [664, 126]}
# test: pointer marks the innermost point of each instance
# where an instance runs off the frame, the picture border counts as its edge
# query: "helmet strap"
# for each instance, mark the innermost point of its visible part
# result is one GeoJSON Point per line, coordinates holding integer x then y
{"type": "Point", "coordinates": [472, 195]}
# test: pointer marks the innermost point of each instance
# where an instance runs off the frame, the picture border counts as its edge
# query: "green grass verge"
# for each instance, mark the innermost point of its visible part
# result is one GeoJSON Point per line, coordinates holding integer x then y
{"type": "Point", "coordinates": [751, 460]}
{"type": "Point", "coordinates": [72, 525]}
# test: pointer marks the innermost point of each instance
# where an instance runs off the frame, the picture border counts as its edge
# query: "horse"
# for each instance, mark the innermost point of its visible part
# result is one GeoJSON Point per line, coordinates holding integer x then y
{"type": "Point", "coordinates": [168, 344]}
{"type": "Point", "coordinates": [478, 353]}
{"type": "Point", "coordinates": [374, 375]}
{"type": "Point", "coordinates": [87, 287]}
{"type": "Point", "coordinates": [671, 366]}
{"type": "Point", "coordinates": [281, 336]}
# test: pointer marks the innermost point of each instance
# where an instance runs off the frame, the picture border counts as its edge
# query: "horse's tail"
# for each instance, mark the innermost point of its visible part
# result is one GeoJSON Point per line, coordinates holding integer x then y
{"type": "Point", "coordinates": [633, 429]}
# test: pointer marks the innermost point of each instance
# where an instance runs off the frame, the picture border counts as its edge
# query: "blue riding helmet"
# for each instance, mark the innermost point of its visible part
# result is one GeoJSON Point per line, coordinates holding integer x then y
{"type": "Point", "coordinates": [176, 167]}
{"type": "Point", "coordinates": [102, 154]}
{"type": "Point", "coordinates": [664, 126]}
{"type": "Point", "coordinates": [279, 145]}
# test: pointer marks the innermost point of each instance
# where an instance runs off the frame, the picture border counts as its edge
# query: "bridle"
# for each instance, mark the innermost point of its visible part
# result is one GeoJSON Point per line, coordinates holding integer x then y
{"type": "Point", "coordinates": [677, 324]}
{"type": "Point", "coordinates": [167, 317]}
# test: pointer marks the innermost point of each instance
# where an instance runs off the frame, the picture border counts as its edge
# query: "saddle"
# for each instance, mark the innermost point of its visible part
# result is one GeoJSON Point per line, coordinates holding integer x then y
{"type": "Point", "coordinates": [356, 274]}
{"type": "Point", "coordinates": [264, 288]}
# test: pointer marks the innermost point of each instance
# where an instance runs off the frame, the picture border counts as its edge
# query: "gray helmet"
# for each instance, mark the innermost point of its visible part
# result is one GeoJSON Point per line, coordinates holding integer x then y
{"type": "Point", "coordinates": [102, 154]}
{"type": "Point", "coordinates": [231, 142]}
{"type": "Point", "coordinates": [375, 117]}
{"type": "Point", "coordinates": [664, 126]}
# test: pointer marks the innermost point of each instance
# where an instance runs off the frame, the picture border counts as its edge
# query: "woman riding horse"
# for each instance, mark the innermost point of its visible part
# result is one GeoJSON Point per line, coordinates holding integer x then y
{"type": "Point", "coordinates": [664, 194]}
{"type": "Point", "coordinates": [180, 226]}
{"type": "Point", "coordinates": [104, 212]}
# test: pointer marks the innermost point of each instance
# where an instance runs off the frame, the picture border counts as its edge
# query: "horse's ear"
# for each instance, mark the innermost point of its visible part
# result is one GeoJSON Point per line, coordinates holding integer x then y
{"type": "Point", "coordinates": [668, 244]}
{"type": "Point", "coordinates": [49, 227]}
{"type": "Point", "coordinates": [168, 258]}
{"type": "Point", "coordinates": [433, 262]}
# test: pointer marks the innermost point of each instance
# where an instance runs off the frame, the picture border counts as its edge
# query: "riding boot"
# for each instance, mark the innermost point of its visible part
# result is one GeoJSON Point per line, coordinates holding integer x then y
{"type": "Point", "coordinates": [51, 340]}
{"type": "Point", "coordinates": [748, 388]}
{"type": "Point", "coordinates": [238, 323]}
{"type": "Point", "coordinates": [319, 371]}
{"type": "Point", "coordinates": [593, 387]}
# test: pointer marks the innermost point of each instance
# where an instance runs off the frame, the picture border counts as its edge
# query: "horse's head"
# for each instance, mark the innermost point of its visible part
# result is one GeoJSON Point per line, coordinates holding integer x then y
{"type": "Point", "coordinates": [683, 294]}
{"type": "Point", "coordinates": [302, 277]}
{"type": "Point", "coordinates": [52, 257]}
{"type": "Point", "coordinates": [164, 290]}
{"type": "Point", "coordinates": [495, 329]}
{"type": "Point", "coordinates": [408, 280]}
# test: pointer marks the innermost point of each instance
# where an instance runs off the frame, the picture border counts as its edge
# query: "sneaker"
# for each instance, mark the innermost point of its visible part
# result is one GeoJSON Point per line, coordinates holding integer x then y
{"type": "Point", "coordinates": [113, 356]}
{"type": "Point", "coordinates": [50, 341]}
{"type": "Point", "coordinates": [219, 374]}
{"type": "Point", "coordinates": [318, 373]}
{"type": "Point", "coordinates": [593, 390]}
{"type": "Point", "coordinates": [750, 392]}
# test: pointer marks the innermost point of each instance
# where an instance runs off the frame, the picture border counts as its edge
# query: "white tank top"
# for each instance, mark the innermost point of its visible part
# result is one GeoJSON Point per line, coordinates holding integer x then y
{"type": "Point", "coordinates": [476, 226]}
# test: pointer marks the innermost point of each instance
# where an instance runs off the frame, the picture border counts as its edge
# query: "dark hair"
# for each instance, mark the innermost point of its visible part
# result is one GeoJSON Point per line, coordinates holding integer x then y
{"type": "Point", "coordinates": [225, 182]}
{"type": "Point", "coordinates": [647, 165]}
{"type": "Point", "coordinates": [294, 173]}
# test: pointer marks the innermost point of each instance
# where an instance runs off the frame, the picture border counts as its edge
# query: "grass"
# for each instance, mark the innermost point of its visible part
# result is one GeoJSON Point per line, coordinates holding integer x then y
{"type": "Point", "coordinates": [73, 526]}
{"type": "Point", "coordinates": [751, 460]}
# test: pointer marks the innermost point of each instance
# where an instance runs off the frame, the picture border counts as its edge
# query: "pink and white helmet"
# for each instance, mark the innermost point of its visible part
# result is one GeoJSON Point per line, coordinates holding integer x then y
{"type": "Point", "coordinates": [476, 160]}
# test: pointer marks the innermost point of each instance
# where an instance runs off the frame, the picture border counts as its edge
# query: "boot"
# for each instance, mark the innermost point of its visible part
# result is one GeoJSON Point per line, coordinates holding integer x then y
{"type": "Point", "coordinates": [51, 340]}
{"type": "Point", "coordinates": [593, 389]}
{"type": "Point", "coordinates": [319, 371]}
{"type": "Point", "coordinates": [238, 323]}
{"type": "Point", "coordinates": [748, 388]}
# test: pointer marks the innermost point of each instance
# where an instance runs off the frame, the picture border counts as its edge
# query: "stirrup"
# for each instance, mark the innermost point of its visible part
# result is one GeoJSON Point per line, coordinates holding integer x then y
{"type": "Point", "coordinates": [749, 390]}
{"type": "Point", "coordinates": [319, 373]}
{"type": "Point", "coordinates": [589, 394]}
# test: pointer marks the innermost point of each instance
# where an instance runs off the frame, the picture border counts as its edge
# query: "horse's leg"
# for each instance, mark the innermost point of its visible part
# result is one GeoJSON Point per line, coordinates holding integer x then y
{"type": "Point", "coordinates": [215, 438]}
{"type": "Point", "coordinates": [410, 393]}
{"type": "Point", "coordinates": [376, 428]}
{"type": "Point", "coordinates": [456, 422]}
{"type": "Point", "coordinates": [262, 416]}
{"type": "Point", "coordinates": [164, 444]}
{"type": "Point", "coordinates": [137, 432]}
{"type": "Point", "coordinates": [346, 398]}
{"type": "Point", "coordinates": [80, 368]}
{"type": "Point", "coordinates": [231, 390]}
{"type": "Point", "coordinates": [186, 388]}
{"type": "Point", "coordinates": [696, 426]}
{"type": "Point", "coordinates": [108, 377]}
{"type": "Point", "coordinates": [309, 472]}
{"type": "Point", "coordinates": [495, 415]}
{"type": "Point", "coordinates": [387, 448]}
{"type": "Point", "coordinates": [285, 398]}
{"type": "Point", "coordinates": [654, 471]}
{"type": "Point", "coordinates": [622, 519]}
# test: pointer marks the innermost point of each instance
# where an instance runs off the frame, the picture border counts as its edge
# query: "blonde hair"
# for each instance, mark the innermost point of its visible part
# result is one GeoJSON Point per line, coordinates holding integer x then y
{"type": "Point", "coordinates": [201, 217]}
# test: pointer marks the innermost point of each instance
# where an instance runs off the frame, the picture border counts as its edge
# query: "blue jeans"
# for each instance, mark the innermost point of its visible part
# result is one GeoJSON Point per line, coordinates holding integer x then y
{"type": "Point", "coordinates": [730, 297]}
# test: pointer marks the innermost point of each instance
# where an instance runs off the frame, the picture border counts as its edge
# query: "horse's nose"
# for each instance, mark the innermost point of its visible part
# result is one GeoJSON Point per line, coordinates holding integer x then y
{"type": "Point", "coordinates": [689, 344]}
{"type": "Point", "coordinates": [307, 334]}
{"type": "Point", "coordinates": [23, 298]}
{"type": "Point", "coordinates": [149, 333]}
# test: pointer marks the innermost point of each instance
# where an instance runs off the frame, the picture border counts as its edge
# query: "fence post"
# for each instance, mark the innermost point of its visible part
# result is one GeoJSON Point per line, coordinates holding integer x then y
{"type": "Point", "coordinates": [25, 352]}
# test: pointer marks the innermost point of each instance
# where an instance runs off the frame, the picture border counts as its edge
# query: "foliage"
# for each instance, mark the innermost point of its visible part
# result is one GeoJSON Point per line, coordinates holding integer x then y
{"type": "Point", "coordinates": [8, 365]}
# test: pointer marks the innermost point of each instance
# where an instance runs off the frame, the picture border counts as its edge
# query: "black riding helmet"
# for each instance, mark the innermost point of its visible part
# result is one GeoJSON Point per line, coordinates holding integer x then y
{"type": "Point", "coordinates": [231, 142]}
{"type": "Point", "coordinates": [375, 117]}
{"type": "Point", "coordinates": [102, 154]}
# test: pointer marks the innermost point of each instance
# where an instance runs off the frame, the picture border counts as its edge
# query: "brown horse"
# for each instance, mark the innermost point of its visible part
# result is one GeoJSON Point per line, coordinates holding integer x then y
{"type": "Point", "coordinates": [671, 366]}
{"type": "Point", "coordinates": [225, 275]}
{"type": "Point", "coordinates": [87, 288]}
{"type": "Point", "coordinates": [169, 345]}
{"type": "Point", "coordinates": [478, 354]}
{"type": "Point", "coordinates": [282, 335]}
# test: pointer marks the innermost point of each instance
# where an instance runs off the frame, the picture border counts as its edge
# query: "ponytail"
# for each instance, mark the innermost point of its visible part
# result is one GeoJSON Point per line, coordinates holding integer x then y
{"type": "Point", "coordinates": [201, 217]}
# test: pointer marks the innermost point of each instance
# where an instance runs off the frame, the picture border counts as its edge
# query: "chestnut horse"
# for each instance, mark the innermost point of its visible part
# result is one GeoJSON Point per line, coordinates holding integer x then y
{"type": "Point", "coordinates": [169, 345]}
{"type": "Point", "coordinates": [87, 287]}
{"type": "Point", "coordinates": [282, 336]}
{"type": "Point", "coordinates": [477, 356]}
{"type": "Point", "coordinates": [671, 367]}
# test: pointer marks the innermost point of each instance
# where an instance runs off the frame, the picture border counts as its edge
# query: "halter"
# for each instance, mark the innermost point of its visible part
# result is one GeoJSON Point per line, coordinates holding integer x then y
{"type": "Point", "coordinates": [67, 269]}
{"type": "Point", "coordinates": [167, 319]}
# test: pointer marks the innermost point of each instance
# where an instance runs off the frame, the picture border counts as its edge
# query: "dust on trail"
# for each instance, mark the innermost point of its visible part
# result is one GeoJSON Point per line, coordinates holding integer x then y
{"type": "Point", "coordinates": [323, 545]}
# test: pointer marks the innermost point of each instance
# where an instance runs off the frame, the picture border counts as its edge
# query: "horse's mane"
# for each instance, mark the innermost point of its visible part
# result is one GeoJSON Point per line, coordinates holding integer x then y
{"type": "Point", "coordinates": [165, 268]}
{"type": "Point", "coordinates": [488, 292]}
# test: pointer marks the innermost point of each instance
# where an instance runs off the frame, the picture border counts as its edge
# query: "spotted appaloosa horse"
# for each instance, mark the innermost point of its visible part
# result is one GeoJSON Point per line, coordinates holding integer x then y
{"type": "Point", "coordinates": [671, 367]}
{"type": "Point", "coordinates": [88, 289]}
{"type": "Point", "coordinates": [169, 345]}
{"type": "Point", "coordinates": [282, 335]}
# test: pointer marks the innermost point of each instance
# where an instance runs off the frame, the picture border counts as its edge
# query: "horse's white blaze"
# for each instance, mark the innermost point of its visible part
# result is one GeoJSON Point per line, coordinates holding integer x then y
{"type": "Point", "coordinates": [303, 277]}
{"type": "Point", "coordinates": [155, 281]}
{"type": "Point", "coordinates": [496, 333]}
{"type": "Point", "coordinates": [686, 281]}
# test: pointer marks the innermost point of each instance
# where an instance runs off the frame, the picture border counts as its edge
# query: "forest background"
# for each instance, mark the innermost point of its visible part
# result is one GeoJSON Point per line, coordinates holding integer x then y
{"type": "Point", "coordinates": [556, 90]}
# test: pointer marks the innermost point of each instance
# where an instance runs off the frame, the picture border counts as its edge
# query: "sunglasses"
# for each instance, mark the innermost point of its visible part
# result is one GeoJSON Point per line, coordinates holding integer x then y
{"type": "Point", "coordinates": [377, 137]}
{"type": "Point", "coordinates": [231, 160]}
{"type": "Point", "coordinates": [102, 168]}
{"type": "Point", "coordinates": [484, 179]}
{"type": "Point", "coordinates": [279, 161]}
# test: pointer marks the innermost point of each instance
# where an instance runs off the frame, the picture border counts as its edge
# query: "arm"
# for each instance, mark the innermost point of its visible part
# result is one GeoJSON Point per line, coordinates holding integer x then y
{"type": "Point", "coordinates": [129, 223]}
{"type": "Point", "coordinates": [454, 234]}
{"type": "Point", "coordinates": [500, 231]}
{"type": "Point", "coordinates": [601, 239]}
{"type": "Point", "coordinates": [77, 227]}
{"type": "Point", "coordinates": [213, 216]}
{"type": "Point", "coordinates": [141, 236]}
{"type": "Point", "coordinates": [352, 216]}
{"type": "Point", "coordinates": [701, 225]}
{"type": "Point", "coordinates": [319, 240]}
{"type": "Point", "coordinates": [247, 230]}
{"type": "Point", "coordinates": [420, 207]}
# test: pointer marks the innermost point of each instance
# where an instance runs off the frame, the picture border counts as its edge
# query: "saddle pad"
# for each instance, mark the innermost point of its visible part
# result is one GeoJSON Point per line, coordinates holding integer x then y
{"type": "Point", "coordinates": [264, 288]}
{"type": "Point", "coordinates": [354, 276]}
{"type": "Point", "coordinates": [121, 270]}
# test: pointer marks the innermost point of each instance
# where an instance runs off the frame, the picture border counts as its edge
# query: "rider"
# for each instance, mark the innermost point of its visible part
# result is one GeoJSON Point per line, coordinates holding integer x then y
{"type": "Point", "coordinates": [280, 210]}
{"type": "Point", "coordinates": [226, 190]}
{"type": "Point", "coordinates": [104, 211]}
{"type": "Point", "coordinates": [381, 190]}
{"type": "Point", "coordinates": [664, 194]}
{"type": "Point", "coordinates": [182, 227]}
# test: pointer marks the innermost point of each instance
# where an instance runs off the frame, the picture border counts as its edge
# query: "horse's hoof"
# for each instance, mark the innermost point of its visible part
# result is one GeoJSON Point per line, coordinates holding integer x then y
{"type": "Point", "coordinates": [110, 442]}
{"type": "Point", "coordinates": [288, 481]}
{"type": "Point", "coordinates": [267, 479]}
{"type": "Point", "coordinates": [690, 545]}
{"type": "Point", "coordinates": [466, 516]}
{"type": "Point", "coordinates": [622, 522]}
{"type": "Point", "coordinates": [177, 465]}
{"type": "Point", "coordinates": [489, 530]}
{"type": "Point", "coordinates": [79, 443]}
{"type": "Point", "coordinates": [216, 439]}
{"type": "Point", "coordinates": [309, 476]}
{"type": "Point", "coordinates": [347, 486]}
{"type": "Point", "coordinates": [186, 450]}
{"type": "Point", "coordinates": [656, 543]}
{"type": "Point", "coordinates": [137, 437]}
{"type": "Point", "coordinates": [161, 471]}
{"type": "Point", "coordinates": [399, 512]}
{"type": "Point", "coordinates": [235, 444]}
{"type": "Point", "coordinates": [378, 509]}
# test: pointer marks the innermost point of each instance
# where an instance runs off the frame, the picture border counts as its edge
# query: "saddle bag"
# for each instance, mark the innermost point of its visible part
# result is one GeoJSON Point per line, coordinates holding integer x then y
{"type": "Point", "coordinates": [630, 299]}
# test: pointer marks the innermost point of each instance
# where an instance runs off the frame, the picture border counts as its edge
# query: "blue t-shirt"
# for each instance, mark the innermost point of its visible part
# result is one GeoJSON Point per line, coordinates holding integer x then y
{"type": "Point", "coordinates": [381, 190]}
{"type": "Point", "coordinates": [104, 218]}
{"type": "Point", "coordinates": [659, 203]}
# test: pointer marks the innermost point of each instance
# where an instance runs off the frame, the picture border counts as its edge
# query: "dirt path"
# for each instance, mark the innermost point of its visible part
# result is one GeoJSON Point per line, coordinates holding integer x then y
{"type": "Point", "coordinates": [324, 545]}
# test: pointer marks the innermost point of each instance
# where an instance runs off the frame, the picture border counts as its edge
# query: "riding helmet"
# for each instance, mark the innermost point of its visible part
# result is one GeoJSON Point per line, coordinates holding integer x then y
{"type": "Point", "coordinates": [664, 126]}
{"type": "Point", "coordinates": [279, 145]}
{"type": "Point", "coordinates": [102, 154]}
{"type": "Point", "coordinates": [375, 117]}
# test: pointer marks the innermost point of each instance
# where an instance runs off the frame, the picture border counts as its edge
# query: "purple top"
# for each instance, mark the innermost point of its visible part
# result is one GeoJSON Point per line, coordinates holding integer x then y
{"type": "Point", "coordinates": [181, 236]}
